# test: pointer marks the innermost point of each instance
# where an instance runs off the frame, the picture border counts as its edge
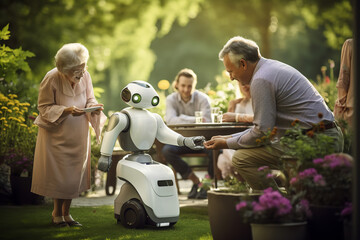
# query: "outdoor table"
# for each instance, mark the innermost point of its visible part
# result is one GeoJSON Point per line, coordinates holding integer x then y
{"type": "Point", "coordinates": [209, 130]}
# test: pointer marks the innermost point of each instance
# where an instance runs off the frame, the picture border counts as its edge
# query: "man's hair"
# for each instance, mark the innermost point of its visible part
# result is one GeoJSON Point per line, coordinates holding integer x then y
{"type": "Point", "coordinates": [240, 48]}
{"type": "Point", "coordinates": [186, 72]}
{"type": "Point", "coordinates": [71, 55]}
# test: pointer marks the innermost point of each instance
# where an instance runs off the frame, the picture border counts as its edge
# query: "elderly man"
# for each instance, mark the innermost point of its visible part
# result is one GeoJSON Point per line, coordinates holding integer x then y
{"type": "Point", "coordinates": [280, 94]}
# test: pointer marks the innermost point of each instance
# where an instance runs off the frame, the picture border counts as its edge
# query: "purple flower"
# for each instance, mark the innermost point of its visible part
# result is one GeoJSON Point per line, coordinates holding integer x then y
{"type": "Point", "coordinates": [347, 211]}
{"type": "Point", "coordinates": [262, 168]}
{"type": "Point", "coordinates": [310, 172]}
{"type": "Point", "coordinates": [318, 161]}
{"type": "Point", "coordinates": [293, 180]}
{"type": "Point", "coordinates": [240, 205]}
{"type": "Point", "coordinates": [319, 180]}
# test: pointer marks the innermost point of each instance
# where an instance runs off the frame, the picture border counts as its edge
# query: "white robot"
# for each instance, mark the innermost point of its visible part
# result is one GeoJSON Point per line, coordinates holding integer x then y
{"type": "Point", "coordinates": [148, 194]}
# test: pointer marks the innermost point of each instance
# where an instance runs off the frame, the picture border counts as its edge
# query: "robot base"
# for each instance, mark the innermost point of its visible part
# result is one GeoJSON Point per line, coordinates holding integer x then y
{"type": "Point", "coordinates": [133, 213]}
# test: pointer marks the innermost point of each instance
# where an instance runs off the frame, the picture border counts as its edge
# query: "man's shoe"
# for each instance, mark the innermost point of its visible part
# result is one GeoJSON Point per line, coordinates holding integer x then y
{"type": "Point", "coordinates": [194, 190]}
{"type": "Point", "coordinates": [202, 194]}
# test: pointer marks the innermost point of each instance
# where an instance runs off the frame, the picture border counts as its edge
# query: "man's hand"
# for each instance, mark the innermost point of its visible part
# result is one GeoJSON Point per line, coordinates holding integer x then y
{"type": "Point", "coordinates": [216, 143]}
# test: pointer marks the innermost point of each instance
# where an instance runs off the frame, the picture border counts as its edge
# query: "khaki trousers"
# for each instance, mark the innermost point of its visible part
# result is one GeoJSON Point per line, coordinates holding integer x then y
{"type": "Point", "coordinates": [247, 161]}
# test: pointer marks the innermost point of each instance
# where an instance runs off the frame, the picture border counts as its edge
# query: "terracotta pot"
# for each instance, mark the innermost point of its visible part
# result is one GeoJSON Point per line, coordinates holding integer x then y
{"type": "Point", "coordinates": [225, 221]}
{"type": "Point", "coordinates": [280, 231]}
{"type": "Point", "coordinates": [21, 195]}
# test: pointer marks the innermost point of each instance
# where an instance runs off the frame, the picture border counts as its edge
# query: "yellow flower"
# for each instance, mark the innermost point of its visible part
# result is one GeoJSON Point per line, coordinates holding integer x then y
{"type": "Point", "coordinates": [23, 125]}
{"type": "Point", "coordinates": [35, 114]}
{"type": "Point", "coordinates": [10, 104]}
{"type": "Point", "coordinates": [2, 119]}
{"type": "Point", "coordinates": [211, 92]}
{"type": "Point", "coordinates": [22, 119]}
{"type": "Point", "coordinates": [6, 125]}
{"type": "Point", "coordinates": [4, 108]}
{"type": "Point", "coordinates": [163, 84]}
{"type": "Point", "coordinates": [16, 109]}
{"type": "Point", "coordinates": [9, 110]}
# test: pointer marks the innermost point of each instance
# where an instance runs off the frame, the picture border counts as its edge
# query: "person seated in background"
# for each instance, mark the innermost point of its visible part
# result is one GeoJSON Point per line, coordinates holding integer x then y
{"type": "Point", "coordinates": [239, 110]}
{"type": "Point", "coordinates": [180, 108]}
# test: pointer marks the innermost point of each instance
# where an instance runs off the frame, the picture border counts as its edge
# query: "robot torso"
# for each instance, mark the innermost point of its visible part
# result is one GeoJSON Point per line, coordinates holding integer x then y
{"type": "Point", "coordinates": [141, 131]}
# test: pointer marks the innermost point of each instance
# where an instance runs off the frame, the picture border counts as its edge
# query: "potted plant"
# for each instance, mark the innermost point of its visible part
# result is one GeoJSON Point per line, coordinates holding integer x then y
{"type": "Point", "coordinates": [225, 222]}
{"type": "Point", "coordinates": [18, 140]}
{"type": "Point", "coordinates": [327, 186]}
{"type": "Point", "coordinates": [274, 216]}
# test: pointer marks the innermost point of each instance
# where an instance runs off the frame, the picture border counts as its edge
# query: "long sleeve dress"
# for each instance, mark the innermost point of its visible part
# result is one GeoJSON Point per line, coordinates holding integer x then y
{"type": "Point", "coordinates": [62, 155]}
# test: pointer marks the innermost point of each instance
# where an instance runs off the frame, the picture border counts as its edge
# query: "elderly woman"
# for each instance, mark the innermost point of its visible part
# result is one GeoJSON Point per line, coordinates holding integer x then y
{"type": "Point", "coordinates": [62, 154]}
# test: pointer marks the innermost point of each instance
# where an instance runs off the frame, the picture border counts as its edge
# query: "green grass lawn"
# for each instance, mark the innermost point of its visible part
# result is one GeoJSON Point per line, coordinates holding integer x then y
{"type": "Point", "coordinates": [33, 222]}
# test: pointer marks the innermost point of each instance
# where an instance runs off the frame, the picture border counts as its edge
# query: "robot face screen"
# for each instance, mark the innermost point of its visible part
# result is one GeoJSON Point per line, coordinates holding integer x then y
{"type": "Point", "coordinates": [140, 94]}
{"type": "Point", "coordinates": [126, 95]}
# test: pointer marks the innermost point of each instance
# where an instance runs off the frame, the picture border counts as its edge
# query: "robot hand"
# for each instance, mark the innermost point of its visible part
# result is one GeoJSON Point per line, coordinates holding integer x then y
{"type": "Point", "coordinates": [194, 143]}
{"type": "Point", "coordinates": [104, 163]}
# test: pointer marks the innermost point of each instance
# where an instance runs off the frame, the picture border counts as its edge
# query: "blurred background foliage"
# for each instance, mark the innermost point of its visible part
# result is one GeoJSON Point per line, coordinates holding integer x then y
{"type": "Point", "coordinates": [152, 40]}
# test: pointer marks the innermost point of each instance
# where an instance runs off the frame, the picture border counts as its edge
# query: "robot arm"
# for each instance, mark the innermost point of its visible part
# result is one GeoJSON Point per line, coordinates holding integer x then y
{"type": "Point", "coordinates": [168, 136]}
{"type": "Point", "coordinates": [117, 123]}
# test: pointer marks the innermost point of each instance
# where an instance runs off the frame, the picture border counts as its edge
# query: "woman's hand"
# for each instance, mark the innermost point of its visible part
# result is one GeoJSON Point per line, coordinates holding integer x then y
{"type": "Point", "coordinates": [75, 111]}
{"type": "Point", "coordinates": [229, 117]}
{"type": "Point", "coordinates": [97, 111]}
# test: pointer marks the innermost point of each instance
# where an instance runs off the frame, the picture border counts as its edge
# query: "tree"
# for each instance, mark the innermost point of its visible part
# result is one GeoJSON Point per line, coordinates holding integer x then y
{"type": "Point", "coordinates": [117, 33]}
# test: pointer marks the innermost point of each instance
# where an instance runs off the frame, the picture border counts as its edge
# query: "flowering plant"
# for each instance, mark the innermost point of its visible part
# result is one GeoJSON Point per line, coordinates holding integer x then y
{"type": "Point", "coordinates": [273, 207]}
{"type": "Point", "coordinates": [328, 182]}
{"type": "Point", "coordinates": [306, 145]}
{"type": "Point", "coordinates": [18, 134]}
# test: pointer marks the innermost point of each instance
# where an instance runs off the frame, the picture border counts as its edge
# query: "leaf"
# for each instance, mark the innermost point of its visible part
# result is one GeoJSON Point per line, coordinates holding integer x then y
{"type": "Point", "coordinates": [5, 33]}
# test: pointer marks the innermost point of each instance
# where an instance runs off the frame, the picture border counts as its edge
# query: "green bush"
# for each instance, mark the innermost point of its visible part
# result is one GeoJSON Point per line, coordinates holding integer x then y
{"type": "Point", "coordinates": [15, 73]}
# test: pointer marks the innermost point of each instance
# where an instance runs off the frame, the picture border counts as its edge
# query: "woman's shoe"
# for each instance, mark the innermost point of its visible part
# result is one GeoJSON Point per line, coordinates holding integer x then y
{"type": "Point", "coordinates": [74, 224]}
{"type": "Point", "coordinates": [58, 222]}
{"type": "Point", "coordinates": [71, 222]}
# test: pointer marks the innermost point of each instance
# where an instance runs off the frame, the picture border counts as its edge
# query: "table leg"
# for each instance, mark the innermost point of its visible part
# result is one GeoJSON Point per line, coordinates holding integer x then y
{"type": "Point", "coordinates": [217, 173]}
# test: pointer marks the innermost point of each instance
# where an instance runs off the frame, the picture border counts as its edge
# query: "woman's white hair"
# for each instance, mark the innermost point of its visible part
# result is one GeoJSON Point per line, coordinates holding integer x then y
{"type": "Point", "coordinates": [71, 55]}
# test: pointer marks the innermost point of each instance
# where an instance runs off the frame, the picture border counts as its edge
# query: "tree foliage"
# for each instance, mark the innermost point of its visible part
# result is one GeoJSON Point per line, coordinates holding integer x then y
{"type": "Point", "coordinates": [117, 33]}
{"type": "Point", "coordinates": [15, 73]}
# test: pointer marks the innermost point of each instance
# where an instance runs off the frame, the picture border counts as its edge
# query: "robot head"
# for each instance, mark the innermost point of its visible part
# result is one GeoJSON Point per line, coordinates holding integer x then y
{"type": "Point", "coordinates": [140, 94]}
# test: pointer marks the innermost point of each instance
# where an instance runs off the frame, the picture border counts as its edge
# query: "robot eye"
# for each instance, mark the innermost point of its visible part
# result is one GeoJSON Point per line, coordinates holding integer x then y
{"type": "Point", "coordinates": [155, 101]}
{"type": "Point", "coordinates": [136, 98]}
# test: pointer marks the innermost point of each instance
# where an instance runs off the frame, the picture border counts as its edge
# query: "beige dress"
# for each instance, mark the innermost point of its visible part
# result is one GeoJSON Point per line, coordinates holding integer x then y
{"type": "Point", "coordinates": [62, 155]}
{"type": "Point", "coordinates": [344, 105]}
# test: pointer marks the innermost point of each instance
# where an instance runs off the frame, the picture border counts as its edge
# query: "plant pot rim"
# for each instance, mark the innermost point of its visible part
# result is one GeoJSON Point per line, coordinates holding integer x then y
{"type": "Point", "coordinates": [231, 193]}
{"type": "Point", "coordinates": [277, 224]}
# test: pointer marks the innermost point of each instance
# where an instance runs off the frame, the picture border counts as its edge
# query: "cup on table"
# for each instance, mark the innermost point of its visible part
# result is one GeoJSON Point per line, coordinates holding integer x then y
{"type": "Point", "coordinates": [214, 114]}
{"type": "Point", "coordinates": [219, 117]}
{"type": "Point", "coordinates": [198, 117]}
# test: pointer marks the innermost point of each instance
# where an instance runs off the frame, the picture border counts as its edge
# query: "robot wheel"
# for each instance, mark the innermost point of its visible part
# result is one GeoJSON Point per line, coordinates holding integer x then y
{"type": "Point", "coordinates": [133, 214]}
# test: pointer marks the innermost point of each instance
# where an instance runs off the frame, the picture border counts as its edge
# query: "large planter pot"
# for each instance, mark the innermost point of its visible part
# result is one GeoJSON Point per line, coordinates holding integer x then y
{"type": "Point", "coordinates": [225, 221]}
{"type": "Point", "coordinates": [280, 231]}
{"type": "Point", "coordinates": [325, 223]}
{"type": "Point", "coordinates": [21, 194]}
